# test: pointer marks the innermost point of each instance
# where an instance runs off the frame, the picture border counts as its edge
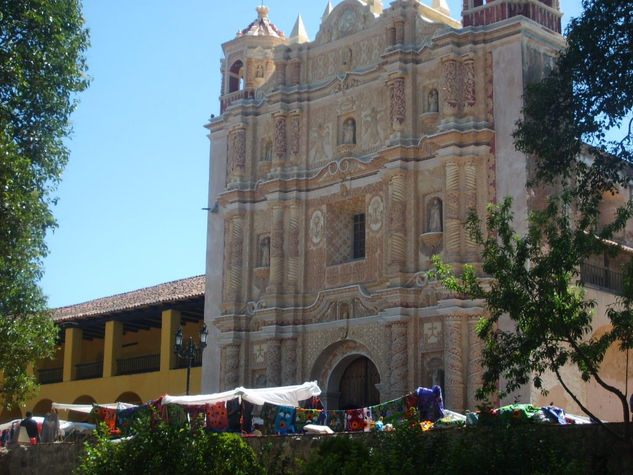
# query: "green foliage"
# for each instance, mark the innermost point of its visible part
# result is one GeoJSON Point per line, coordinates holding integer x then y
{"type": "Point", "coordinates": [42, 66]}
{"type": "Point", "coordinates": [338, 455]}
{"type": "Point", "coordinates": [158, 447]}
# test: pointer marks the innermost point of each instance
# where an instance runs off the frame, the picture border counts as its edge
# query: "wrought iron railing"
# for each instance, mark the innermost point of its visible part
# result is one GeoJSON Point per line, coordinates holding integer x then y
{"type": "Point", "coordinates": [138, 364]}
{"type": "Point", "coordinates": [89, 370]}
{"type": "Point", "coordinates": [602, 277]}
{"type": "Point", "coordinates": [50, 375]}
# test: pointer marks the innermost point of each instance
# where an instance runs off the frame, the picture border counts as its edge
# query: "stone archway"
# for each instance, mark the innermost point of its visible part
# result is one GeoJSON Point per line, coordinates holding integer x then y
{"type": "Point", "coordinates": [130, 397]}
{"type": "Point", "coordinates": [8, 415]}
{"type": "Point", "coordinates": [348, 375]}
{"type": "Point", "coordinates": [43, 407]}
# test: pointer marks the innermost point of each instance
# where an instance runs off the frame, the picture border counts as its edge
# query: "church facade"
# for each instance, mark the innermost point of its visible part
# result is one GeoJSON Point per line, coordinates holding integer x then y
{"type": "Point", "coordinates": [339, 166]}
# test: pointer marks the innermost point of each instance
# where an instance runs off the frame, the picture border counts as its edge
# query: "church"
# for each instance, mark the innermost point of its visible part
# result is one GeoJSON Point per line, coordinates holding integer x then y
{"type": "Point", "coordinates": [338, 167]}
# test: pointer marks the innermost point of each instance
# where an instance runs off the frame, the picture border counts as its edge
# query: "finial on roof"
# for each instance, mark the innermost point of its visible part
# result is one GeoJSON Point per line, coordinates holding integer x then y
{"type": "Point", "coordinates": [262, 26]}
{"type": "Point", "coordinates": [327, 11]}
{"type": "Point", "coordinates": [262, 11]}
{"type": "Point", "coordinates": [441, 6]}
{"type": "Point", "coordinates": [299, 34]}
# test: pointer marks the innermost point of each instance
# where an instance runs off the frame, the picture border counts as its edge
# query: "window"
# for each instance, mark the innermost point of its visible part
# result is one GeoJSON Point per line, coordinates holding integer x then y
{"type": "Point", "coordinates": [359, 236]}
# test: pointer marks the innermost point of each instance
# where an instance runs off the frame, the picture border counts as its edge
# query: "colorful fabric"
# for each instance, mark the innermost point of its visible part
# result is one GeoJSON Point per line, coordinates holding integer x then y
{"type": "Point", "coordinates": [196, 413]}
{"type": "Point", "coordinates": [126, 417]}
{"type": "Point", "coordinates": [514, 413]}
{"type": "Point", "coordinates": [174, 415]}
{"type": "Point", "coordinates": [392, 412]}
{"type": "Point", "coordinates": [411, 400]}
{"type": "Point", "coordinates": [313, 403]}
{"type": "Point", "coordinates": [450, 420]}
{"type": "Point", "coordinates": [285, 420]}
{"type": "Point", "coordinates": [555, 414]}
{"type": "Point", "coordinates": [430, 403]}
{"type": "Point", "coordinates": [234, 415]}
{"type": "Point", "coordinates": [105, 415]}
{"type": "Point", "coordinates": [268, 414]}
{"type": "Point", "coordinates": [217, 417]}
{"type": "Point", "coordinates": [336, 420]}
{"type": "Point", "coordinates": [355, 420]}
{"type": "Point", "coordinates": [306, 416]}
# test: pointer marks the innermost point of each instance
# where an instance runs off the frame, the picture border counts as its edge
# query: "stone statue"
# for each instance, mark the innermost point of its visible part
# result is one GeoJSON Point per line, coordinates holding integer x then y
{"type": "Point", "coordinates": [264, 252]}
{"type": "Point", "coordinates": [433, 101]}
{"type": "Point", "coordinates": [435, 216]}
{"type": "Point", "coordinates": [349, 132]}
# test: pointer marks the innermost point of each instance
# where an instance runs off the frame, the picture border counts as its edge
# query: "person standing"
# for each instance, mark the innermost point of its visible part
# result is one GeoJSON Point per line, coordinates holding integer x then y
{"type": "Point", "coordinates": [31, 426]}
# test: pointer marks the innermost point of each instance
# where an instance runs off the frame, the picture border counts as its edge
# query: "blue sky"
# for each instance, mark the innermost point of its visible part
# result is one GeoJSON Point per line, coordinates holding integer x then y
{"type": "Point", "coordinates": [129, 209]}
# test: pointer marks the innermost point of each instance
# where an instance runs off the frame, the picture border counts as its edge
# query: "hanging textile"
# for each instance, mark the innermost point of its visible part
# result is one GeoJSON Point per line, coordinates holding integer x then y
{"type": "Point", "coordinates": [196, 414]}
{"type": "Point", "coordinates": [104, 414]}
{"type": "Point", "coordinates": [234, 415]}
{"type": "Point", "coordinates": [217, 417]}
{"type": "Point", "coordinates": [268, 414]}
{"type": "Point", "coordinates": [430, 403]}
{"type": "Point", "coordinates": [355, 420]}
{"type": "Point", "coordinates": [307, 416]}
{"type": "Point", "coordinates": [336, 420]}
{"type": "Point", "coordinates": [392, 412]}
{"type": "Point", "coordinates": [285, 420]}
{"type": "Point", "coordinates": [174, 415]}
{"type": "Point", "coordinates": [246, 423]}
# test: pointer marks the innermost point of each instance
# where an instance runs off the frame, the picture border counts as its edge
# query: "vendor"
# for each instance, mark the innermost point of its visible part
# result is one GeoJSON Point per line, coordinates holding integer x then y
{"type": "Point", "coordinates": [31, 426]}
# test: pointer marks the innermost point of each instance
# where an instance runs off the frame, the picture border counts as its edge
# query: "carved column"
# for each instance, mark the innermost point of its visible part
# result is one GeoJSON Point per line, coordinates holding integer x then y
{"type": "Point", "coordinates": [273, 363]}
{"type": "Point", "coordinates": [475, 371]}
{"type": "Point", "coordinates": [249, 80]}
{"type": "Point", "coordinates": [399, 30]}
{"type": "Point", "coordinates": [293, 246]}
{"type": "Point", "coordinates": [452, 224]}
{"type": "Point", "coordinates": [469, 83]}
{"type": "Point", "coordinates": [235, 261]}
{"type": "Point", "coordinates": [470, 192]}
{"type": "Point", "coordinates": [398, 212]}
{"type": "Point", "coordinates": [295, 136]}
{"type": "Point", "coordinates": [276, 248]}
{"type": "Point", "coordinates": [450, 79]}
{"type": "Point", "coordinates": [231, 358]}
{"type": "Point", "coordinates": [453, 364]}
{"type": "Point", "coordinates": [280, 69]}
{"type": "Point", "coordinates": [289, 359]}
{"type": "Point", "coordinates": [279, 140]}
{"type": "Point", "coordinates": [398, 105]}
{"type": "Point", "coordinates": [237, 153]}
{"type": "Point", "coordinates": [399, 360]}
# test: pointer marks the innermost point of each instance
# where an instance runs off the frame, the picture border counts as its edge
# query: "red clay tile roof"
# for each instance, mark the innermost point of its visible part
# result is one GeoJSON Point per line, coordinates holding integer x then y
{"type": "Point", "coordinates": [157, 294]}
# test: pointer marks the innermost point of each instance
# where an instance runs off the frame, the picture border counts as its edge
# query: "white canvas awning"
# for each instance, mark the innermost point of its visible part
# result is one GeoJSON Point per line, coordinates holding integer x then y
{"type": "Point", "coordinates": [86, 408]}
{"type": "Point", "coordinates": [280, 396]}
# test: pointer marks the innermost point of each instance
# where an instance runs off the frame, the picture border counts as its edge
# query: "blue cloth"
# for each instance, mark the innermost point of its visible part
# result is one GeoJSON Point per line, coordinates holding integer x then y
{"type": "Point", "coordinates": [430, 403]}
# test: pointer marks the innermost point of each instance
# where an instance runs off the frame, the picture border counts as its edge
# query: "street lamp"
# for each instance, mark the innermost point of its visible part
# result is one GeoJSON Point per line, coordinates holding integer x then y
{"type": "Point", "coordinates": [190, 351]}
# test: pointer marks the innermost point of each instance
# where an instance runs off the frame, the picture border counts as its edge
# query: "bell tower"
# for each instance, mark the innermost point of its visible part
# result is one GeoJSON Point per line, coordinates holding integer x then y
{"type": "Point", "coordinates": [248, 58]}
{"type": "Point", "coordinates": [486, 12]}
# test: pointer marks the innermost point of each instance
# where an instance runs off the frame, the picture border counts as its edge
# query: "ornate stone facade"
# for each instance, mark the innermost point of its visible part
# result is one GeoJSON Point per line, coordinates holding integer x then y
{"type": "Point", "coordinates": [362, 155]}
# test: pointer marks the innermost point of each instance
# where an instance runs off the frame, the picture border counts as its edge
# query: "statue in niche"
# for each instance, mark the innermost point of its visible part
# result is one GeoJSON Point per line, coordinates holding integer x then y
{"type": "Point", "coordinates": [433, 105]}
{"type": "Point", "coordinates": [321, 142]}
{"type": "Point", "coordinates": [259, 72]}
{"type": "Point", "coordinates": [349, 132]}
{"type": "Point", "coordinates": [268, 151]}
{"type": "Point", "coordinates": [435, 216]}
{"type": "Point", "coordinates": [347, 59]}
{"type": "Point", "coordinates": [264, 252]}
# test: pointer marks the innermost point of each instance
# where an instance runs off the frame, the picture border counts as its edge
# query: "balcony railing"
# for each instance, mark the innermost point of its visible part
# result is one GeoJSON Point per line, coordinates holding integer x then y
{"type": "Point", "coordinates": [602, 277]}
{"type": "Point", "coordinates": [228, 99]}
{"type": "Point", "coordinates": [138, 364]}
{"type": "Point", "coordinates": [50, 375]}
{"type": "Point", "coordinates": [89, 370]}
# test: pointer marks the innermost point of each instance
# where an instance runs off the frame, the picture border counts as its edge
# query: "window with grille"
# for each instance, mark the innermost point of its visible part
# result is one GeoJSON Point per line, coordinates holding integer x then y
{"type": "Point", "coordinates": [359, 236]}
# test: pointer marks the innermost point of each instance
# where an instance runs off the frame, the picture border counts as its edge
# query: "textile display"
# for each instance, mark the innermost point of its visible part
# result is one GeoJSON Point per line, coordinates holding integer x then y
{"type": "Point", "coordinates": [234, 415]}
{"type": "Point", "coordinates": [392, 412]}
{"type": "Point", "coordinates": [217, 417]}
{"type": "Point", "coordinates": [247, 416]}
{"type": "Point", "coordinates": [555, 414]}
{"type": "Point", "coordinates": [450, 419]}
{"type": "Point", "coordinates": [355, 420]}
{"type": "Point", "coordinates": [174, 415]}
{"type": "Point", "coordinates": [104, 414]}
{"type": "Point", "coordinates": [430, 403]}
{"type": "Point", "coordinates": [336, 420]}
{"type": "Point", "coordinates": [126, 417]}
{"type": "Point", "coordinates": [196, 413]}
{"type": "Point", "coordinates": [285, 420]}
{"type": "Point", "coordinates": [268, 414]}
{"type": "Point", "coordinates": [308, 416]}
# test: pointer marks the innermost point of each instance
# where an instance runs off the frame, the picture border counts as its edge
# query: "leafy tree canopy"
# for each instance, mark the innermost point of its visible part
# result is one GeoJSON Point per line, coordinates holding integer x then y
{"type": "Point", "coordinates": [576, 161]}
{"type": "Point", "coordinates": [42, 66]}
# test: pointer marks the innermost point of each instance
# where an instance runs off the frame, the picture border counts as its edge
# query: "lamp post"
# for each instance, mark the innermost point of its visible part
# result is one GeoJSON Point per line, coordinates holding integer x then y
{"type": "Point", "coordinates": [190, 351]}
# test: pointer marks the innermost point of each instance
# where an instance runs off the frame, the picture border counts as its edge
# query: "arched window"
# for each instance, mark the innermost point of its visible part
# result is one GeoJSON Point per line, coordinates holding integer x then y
{"type": "Point", "coordinates": [236, 76]}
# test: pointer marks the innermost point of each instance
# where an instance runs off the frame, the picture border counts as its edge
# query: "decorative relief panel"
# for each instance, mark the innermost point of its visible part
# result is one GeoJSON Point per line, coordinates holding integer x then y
{"type": "Point", "coordinates": [237, 152]}
{"type": "Point", "coordinates": [375, 213]}
{"type": "Point", "coordinates": [317, 226]}
{"type": "Point", "coordinates": [279, 143]}
{"type": "Point", "coordinates": [360, 53]}
{"type": "Point", "coordinates": [320, 143]}
{"type": "Point", "coordinates": [458, 77]}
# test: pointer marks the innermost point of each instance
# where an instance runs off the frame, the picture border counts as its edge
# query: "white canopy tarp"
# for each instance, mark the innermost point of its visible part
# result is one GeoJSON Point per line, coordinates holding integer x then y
{"type": "Point", "coordinates": [280, 396]}
{"type": "Point", "coordinates": [86, 408]}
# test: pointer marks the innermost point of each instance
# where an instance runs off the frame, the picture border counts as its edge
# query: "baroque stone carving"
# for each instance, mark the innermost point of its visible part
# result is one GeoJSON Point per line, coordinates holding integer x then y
{"type": "Point", "coordinates": [372, 134]}
{"type": "Point", "coordinates": [279, 144]}
{"type": "Point", "coordinates": [295, 136]}
{"type": "Point", "coordinates": [231, 366]}
{"type": "Point", "coordinates": [469, 83]}
{"type": "Point", "coordinates": [453, 356]}
{"type": "Point", "coordinates": [273, 362]}
{"type": "Point", "coordinates": [475, 371]}
{"type": "Point", "coordinates": [317, 226]}
{"type": "Point", "coordinates": [237, 151]}
{"type": "Point", "coordinates": [398, 110]}
{"type": "Point", "coordinates": [432, 333]}
{"type": "Point", "coordinates": [449, 71]}
{"type": "Point", "coordinates": [375, 213]}
{"type": "Point", "coordinates": [399, 359]}
{"type": "Point", "coordinates": [289, 358]}
{"type": "Point", "coordinates": [321, 140]}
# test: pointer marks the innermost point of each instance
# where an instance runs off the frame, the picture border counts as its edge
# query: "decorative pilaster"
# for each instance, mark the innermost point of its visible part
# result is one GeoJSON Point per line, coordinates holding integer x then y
{"type": "Point", "coordinates": [475, 371]}
{"type": "Point", "coordinates": [397, 218]}
{"type": "Point", "coordinates": [398, 107]}
{"type": "Point", "coordinates": [289, 358]}
{"type": "Point", "coordinates": [276, 248]}
{"type": "Point", "coordinates": [279, 140]}
{"type": "Point", "coordinates": [399, 359]}
{"type": "Point", "coordinates": [453, 364]}
{"type": "Point", "coordinates": [231, 358]}
{"type": "Point", "coordinates": [452, 224]}
{"type": "Point", "coordinates": [469, 83]}
{"type": "Point", "coordinates": [295, 136]}
{"type": "Point", "coordinates": [235, 269]}
{"type": "Point", "coordinates": [273, 363]}
{"type": "Point", "coordinates": [293, 246]}
{"type": "Point", "coordinates": [470, 192]}
{"type": "Point", "coordinates": [237, 153]}
{"type": "Point", "coordinates": [450, 79]}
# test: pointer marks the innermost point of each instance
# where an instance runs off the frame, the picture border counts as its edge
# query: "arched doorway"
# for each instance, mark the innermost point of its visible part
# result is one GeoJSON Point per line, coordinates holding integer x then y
{"type": "Point", "coordinates": [356, 383]}
{"type": "Point", "coordinates": [43, 407]}
{"type": "Point", "coordinates": [130, 397]}
{"type": "Point", "coordinates": [8, 415]}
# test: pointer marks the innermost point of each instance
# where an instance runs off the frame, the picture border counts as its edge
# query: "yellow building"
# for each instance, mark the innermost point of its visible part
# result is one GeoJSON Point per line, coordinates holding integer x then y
{"type": "Point", "coordinates": [121, 348]}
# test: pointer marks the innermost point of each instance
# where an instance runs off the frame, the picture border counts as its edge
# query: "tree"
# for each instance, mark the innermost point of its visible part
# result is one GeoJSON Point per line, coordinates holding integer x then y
{"type": "Point", "coordinates": [569, 121]}
{"type": "Point", "coordinates": [42, 66]}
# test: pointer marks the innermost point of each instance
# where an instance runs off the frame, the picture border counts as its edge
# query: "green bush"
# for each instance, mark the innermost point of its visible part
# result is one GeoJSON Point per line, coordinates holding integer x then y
{"type": "Point", "coordinates": [157, 447]}
{"type": "Point", "coordinates": [338, 455]}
